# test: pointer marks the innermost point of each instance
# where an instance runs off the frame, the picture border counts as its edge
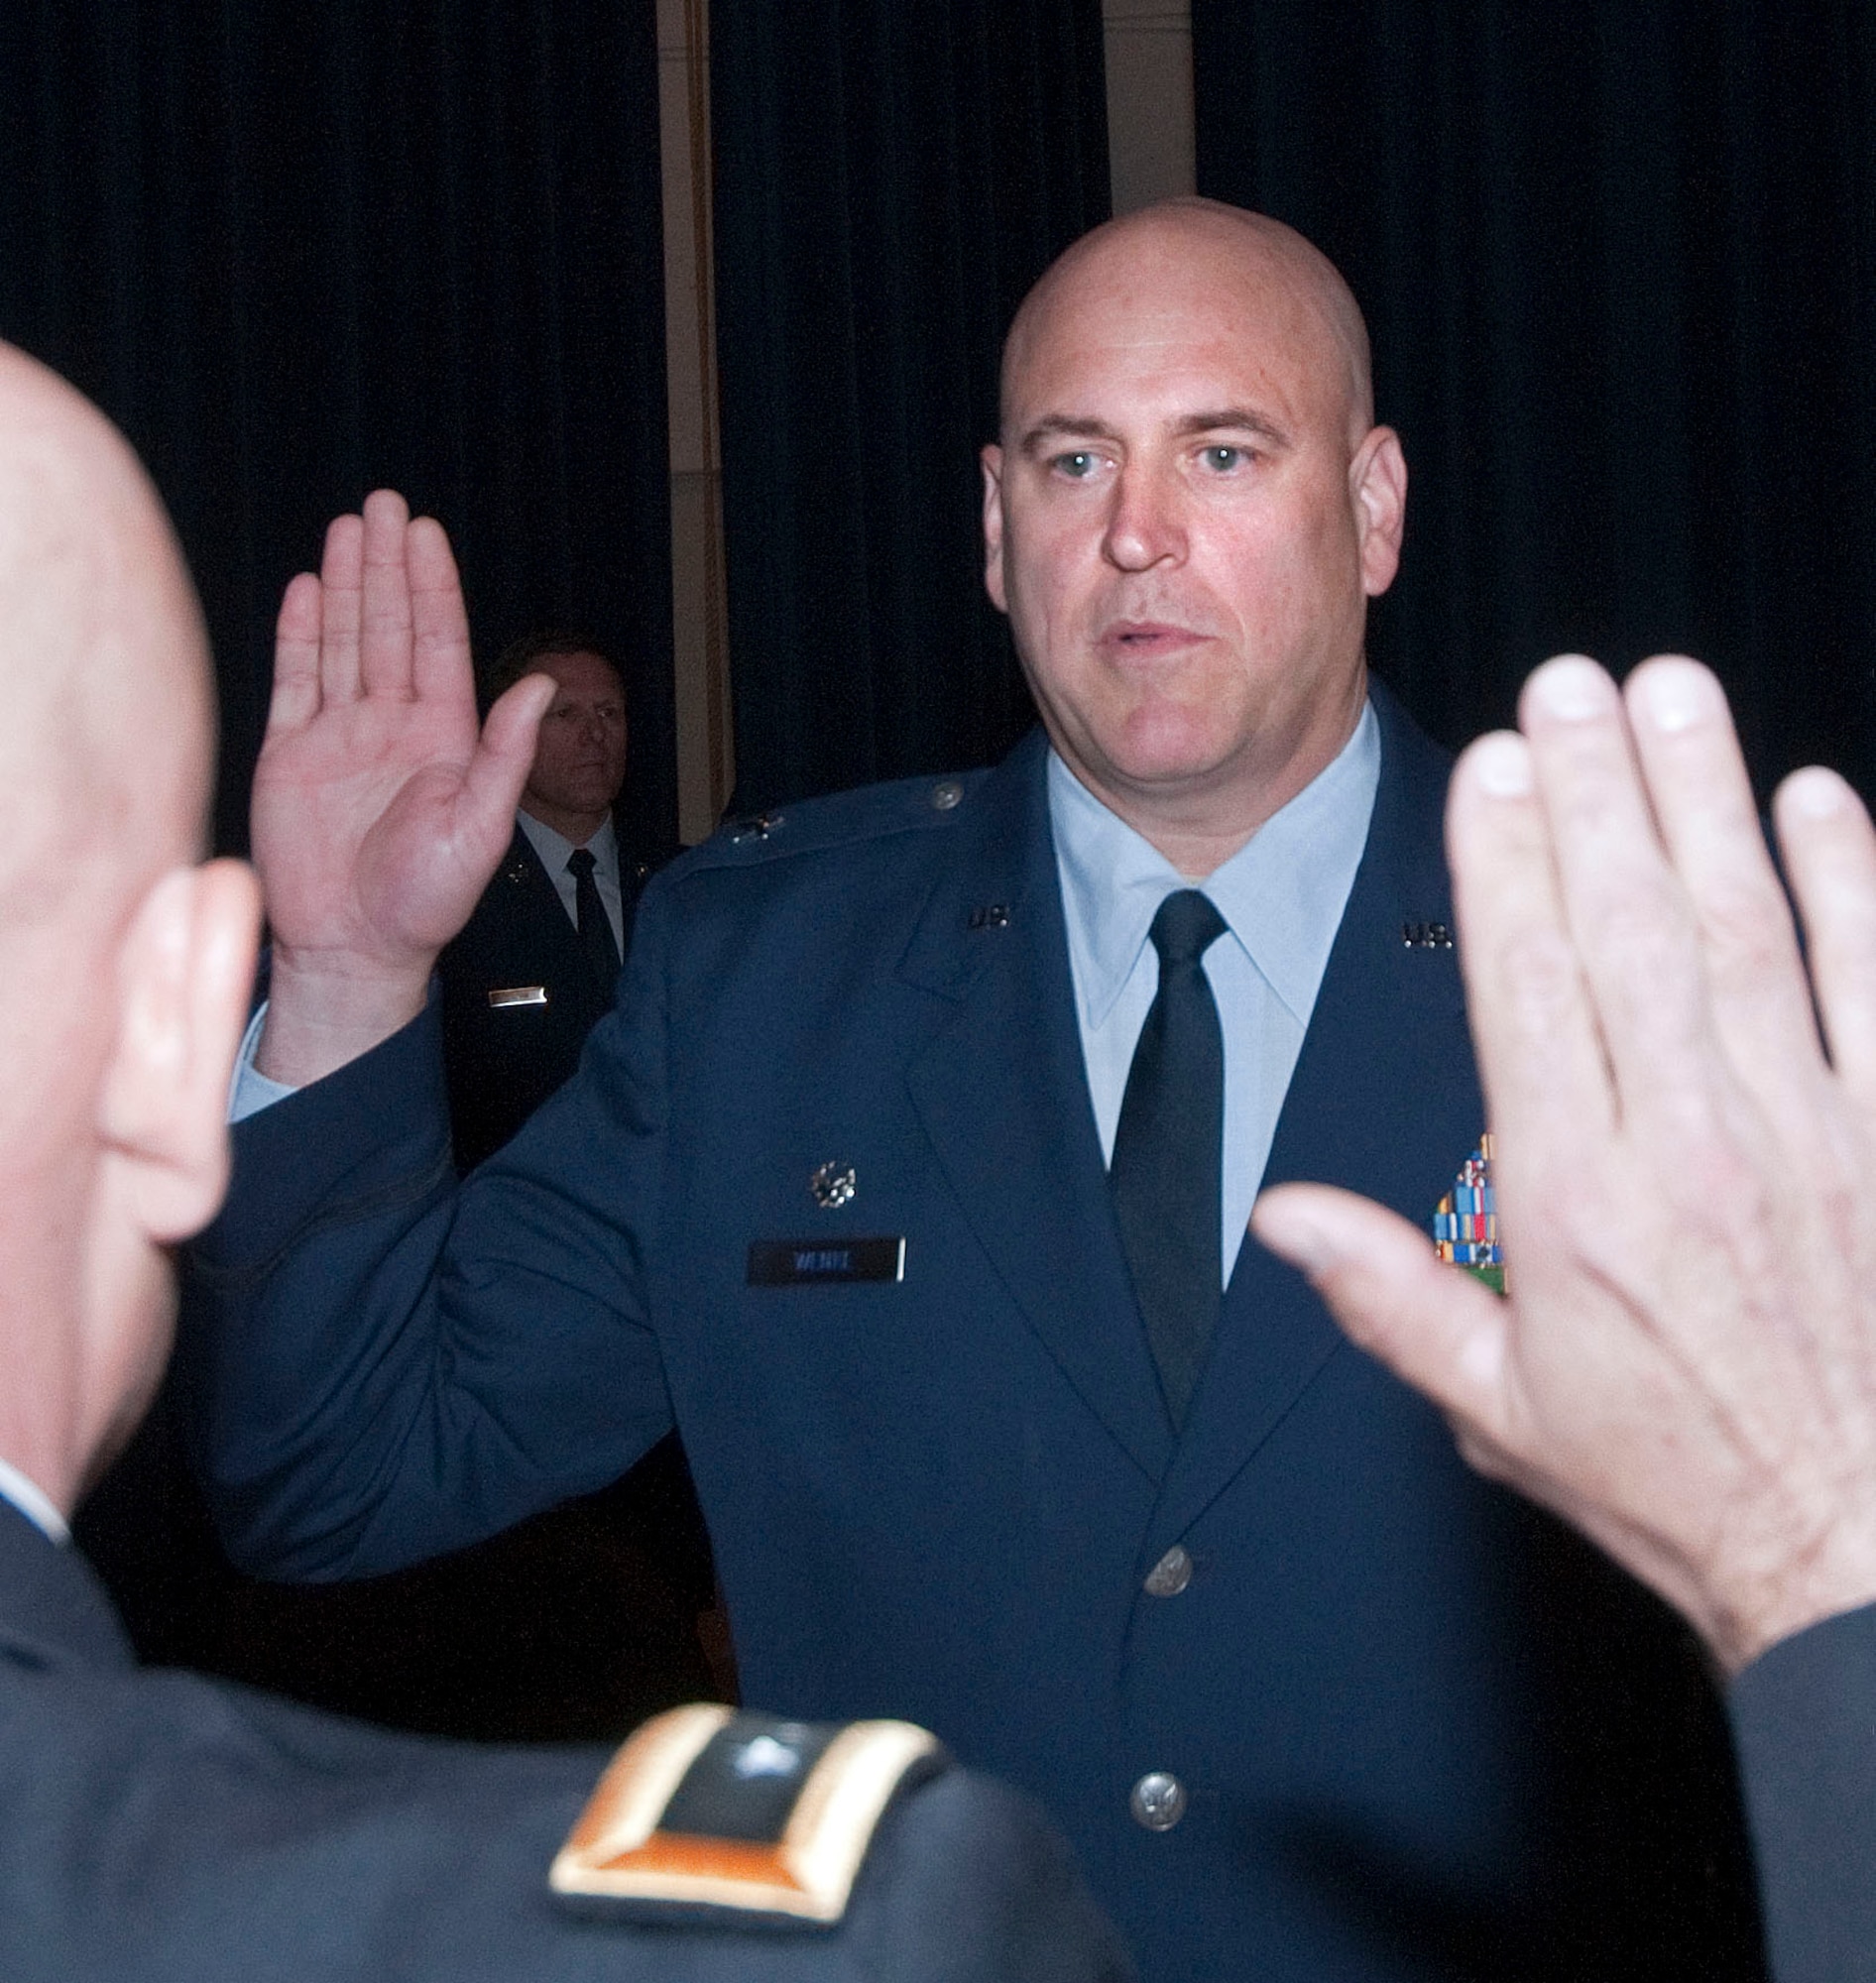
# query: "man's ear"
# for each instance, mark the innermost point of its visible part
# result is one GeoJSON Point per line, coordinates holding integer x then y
{"type": "Point", "coordinates": [1377, 481]}
{"type": "Point", "coordinates": [992, 460]}
{"type": "Point", "coordinates": [186, 971]}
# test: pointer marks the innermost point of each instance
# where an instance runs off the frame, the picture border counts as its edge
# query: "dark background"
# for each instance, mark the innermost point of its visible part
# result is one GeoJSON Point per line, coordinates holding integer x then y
{"type": "Point", "coordinates": [1618, 260]}
{"type": "Point", "coordinates": [890, 180]}
{"type": "Point", "coordinates": [298, 252]}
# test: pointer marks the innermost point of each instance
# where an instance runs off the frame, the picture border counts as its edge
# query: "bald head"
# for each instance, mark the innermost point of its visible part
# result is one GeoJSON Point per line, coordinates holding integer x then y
{"type": "Point", "coordinates": [124, 967]}
{"type": "Point", "coordinates": [1185, 515]}
{"type": "Point", "coordinates": [104, 756]}
{"type": "Point", "coordinates": [1278, 274]}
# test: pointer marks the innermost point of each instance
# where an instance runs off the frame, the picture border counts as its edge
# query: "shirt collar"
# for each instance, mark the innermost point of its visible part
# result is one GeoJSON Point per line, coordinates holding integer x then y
{"type": "Point", "coordinates": [554, 848]}
{"type": "Point", "coordinates": [1282, 892]}
{"type": "Point", "coordinates": [32, 1502]}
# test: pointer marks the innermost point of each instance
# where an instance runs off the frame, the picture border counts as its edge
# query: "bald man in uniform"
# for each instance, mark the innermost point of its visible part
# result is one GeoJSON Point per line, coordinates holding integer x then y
{"type": "Point", "coordinates": [153, 1824]}
{"type": "Point", "coordinates": [910, 1180]}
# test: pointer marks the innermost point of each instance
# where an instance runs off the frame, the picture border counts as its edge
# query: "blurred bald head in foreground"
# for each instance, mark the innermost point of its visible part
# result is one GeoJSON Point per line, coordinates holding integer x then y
{"type": "Point", "coordinates": [124, 966]}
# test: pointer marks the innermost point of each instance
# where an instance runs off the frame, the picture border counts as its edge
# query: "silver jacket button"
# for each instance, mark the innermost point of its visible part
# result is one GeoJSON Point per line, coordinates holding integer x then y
{"type": "Point", "coordinates": [1158, 1801]}
{"type": "Point", "coordinates": [1171, 1573]}
{"type": "Point", "coordinates": [945, 794]}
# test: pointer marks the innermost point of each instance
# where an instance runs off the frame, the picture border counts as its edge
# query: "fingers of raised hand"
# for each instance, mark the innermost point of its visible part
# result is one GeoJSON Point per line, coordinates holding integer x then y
{"type": "Point", "coordinates": [440, 665]}
{"type": "Point", "coordinates": [296, 698]}
{"type": "Point", "coordinates": [1547, 1090]}
{"type": "Point", "coordinates": [1629, 916]}
{"type": "Point", "coordinates": [1831, 857]}
{"type": "Point", "coordinates": [341, 588]}
{"type": "Point", "coordinates": [386, 616]}
{"type": "Point", "coordinates": [1430, 1324]}
{"type": "Point", "coordinates": [1703, 804]}
{"type": "Point", "coordinates": [385, 644]}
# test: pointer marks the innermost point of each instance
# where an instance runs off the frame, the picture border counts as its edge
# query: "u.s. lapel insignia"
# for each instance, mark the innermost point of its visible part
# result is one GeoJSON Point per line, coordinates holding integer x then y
{"type": "Point", "coordinates": [1425, 936]}
{"type": "Point", "coordinates": [1466, 1223]}
{"type": "Point", "coordinates": [834, 1184]}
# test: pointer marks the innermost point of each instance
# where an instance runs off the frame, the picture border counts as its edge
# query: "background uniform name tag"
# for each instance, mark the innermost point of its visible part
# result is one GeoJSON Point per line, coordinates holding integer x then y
{"type": "Point", "coordinates": [800, 1263]}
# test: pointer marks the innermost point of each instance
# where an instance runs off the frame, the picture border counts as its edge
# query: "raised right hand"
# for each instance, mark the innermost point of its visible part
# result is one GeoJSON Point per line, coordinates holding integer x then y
{"type": "Point", "coordinates": [379, 811]}
{"type": "Point", "coordinates": [1685, 1365]}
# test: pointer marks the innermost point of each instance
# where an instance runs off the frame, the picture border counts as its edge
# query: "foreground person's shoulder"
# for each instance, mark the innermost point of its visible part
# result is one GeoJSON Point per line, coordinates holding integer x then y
{"type": "Point", "coordinates": [836, 1849]}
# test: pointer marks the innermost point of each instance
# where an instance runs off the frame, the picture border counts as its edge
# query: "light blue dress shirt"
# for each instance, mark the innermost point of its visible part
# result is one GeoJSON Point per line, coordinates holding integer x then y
{"type": "Point", "coordinates": [1282, 895]}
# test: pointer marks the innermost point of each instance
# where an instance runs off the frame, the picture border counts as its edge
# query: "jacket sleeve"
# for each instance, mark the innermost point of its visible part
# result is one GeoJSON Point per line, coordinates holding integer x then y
{"type": "Point", "coordinates": [1805, 1719]}
{"type": "Point", "coordinates": [379, 1363]}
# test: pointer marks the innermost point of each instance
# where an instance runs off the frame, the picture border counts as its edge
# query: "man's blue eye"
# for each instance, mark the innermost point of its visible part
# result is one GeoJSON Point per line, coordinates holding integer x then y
{"type": "Point", "coordinates": [1224, 458]}
{"type": "Point", "coordinates": [1078, 464]}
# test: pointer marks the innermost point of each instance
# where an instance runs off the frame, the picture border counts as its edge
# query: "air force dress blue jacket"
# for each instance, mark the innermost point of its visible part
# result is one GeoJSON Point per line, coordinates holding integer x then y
{"type": "Point", "coordinates": [1314, 1703]}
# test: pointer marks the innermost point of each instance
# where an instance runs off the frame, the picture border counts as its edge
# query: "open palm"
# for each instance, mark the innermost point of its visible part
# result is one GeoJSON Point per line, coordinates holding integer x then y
{"type": "Point", "coordinates": [380, 808]}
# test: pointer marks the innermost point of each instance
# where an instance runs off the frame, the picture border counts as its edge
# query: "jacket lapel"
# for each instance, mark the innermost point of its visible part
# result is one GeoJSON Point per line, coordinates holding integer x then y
{"type": "Point", "coordinates": [535, 909]}
{"type": "Point", "coordinates": [537, 905]}
{"type": "Point", "coordinates": [1002, 1091]}
{"type": "Point", "coordinates": [1385, 1101]}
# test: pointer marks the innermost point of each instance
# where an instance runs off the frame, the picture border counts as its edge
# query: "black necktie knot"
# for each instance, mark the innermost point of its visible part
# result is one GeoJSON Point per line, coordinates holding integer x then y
{"type": "Point", "coordinates": [580, 863]}
{"type": "Point", "coordinates": [1186, 927]}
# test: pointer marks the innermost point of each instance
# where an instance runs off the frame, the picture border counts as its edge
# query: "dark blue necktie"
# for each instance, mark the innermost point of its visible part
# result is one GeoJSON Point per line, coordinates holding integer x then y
{"type": "Point", "coordinates": [1169, 1148]}
{"type": "Point", "coordinates": [592, 921]}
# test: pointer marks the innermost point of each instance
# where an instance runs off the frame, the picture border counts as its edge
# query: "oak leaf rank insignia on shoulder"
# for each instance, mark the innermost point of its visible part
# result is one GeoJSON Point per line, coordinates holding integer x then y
{"type": "Point", "coordinates": [710, 1814]}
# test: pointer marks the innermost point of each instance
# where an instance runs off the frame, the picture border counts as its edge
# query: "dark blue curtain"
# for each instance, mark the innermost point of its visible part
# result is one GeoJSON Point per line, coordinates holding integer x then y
{"type": "Point", "coordinates": [891, 176]}
{"type": "Point", "coordinates": [1619, 261]}
{"type": "Point", "coordinates": [297, 252]}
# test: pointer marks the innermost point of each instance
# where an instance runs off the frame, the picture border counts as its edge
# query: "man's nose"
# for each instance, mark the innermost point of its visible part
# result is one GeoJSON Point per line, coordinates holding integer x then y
{"type": "Point", "coordinates": [1146, 524]}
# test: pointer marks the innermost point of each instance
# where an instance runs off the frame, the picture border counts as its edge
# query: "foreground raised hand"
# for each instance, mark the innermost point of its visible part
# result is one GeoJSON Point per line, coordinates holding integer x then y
{"type": "Point", "coordinates": [379, 810]}
{"type": "Point", "coordinates": [1685, 1365]}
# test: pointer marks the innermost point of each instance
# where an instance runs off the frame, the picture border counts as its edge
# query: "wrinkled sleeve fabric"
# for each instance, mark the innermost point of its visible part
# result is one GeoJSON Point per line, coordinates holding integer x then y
{"type": "Point", "coordinates": [379, 1363]}
{"type": "Point", "coordinates": [1804, 1716]}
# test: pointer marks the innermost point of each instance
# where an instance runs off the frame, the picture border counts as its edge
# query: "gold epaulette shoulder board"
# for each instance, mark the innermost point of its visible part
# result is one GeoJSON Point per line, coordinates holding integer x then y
{"type": "Point", "coordinates": [706, 1811]}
